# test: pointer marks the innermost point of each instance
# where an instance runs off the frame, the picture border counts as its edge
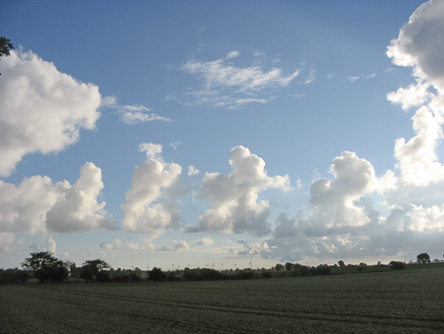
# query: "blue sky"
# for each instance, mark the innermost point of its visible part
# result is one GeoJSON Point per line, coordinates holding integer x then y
{"type": "Point", "coordinates": [222, 133]}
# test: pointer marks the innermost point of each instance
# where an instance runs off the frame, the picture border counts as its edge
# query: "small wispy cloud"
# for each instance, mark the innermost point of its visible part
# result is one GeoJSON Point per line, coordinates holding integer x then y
{"type": "Point", "coordinates": [177, 246]}
{"type": "Point", "coordinates": [311, 77]}
{"type": "Point", "coordinates": [233, 54]}
{"type": "Point", "coordinates": [361, 77]}
{"type": "Point", "coordinates": [193, 170]}
{"type": "Point", "coordinates": [132, 114]}
{"type": "Point", "coordinates": [225, 84]}
{"type": "Point", "coordinates": [352, 78]}
{"type": "Point", "coordinates": [176, 144]}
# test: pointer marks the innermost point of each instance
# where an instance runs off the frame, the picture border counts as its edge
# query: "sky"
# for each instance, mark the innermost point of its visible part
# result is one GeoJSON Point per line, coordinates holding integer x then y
{"type": "Point", "coordinates": [222, 134]}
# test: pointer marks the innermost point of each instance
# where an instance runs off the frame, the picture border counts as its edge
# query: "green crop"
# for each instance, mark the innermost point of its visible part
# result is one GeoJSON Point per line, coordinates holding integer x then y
{"type": "Point", "coordinates": [409, 301]}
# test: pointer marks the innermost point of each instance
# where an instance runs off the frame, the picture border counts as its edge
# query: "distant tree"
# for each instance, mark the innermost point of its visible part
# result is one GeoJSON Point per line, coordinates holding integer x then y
{"type": "Point", "coordinates": [306, 271]}
{"type": "Point", "coordinates": [103, 276]}
{"type": "Point", "coordinates": [13, 276]}
{"type": "Point", "coordinates": [208, 274]}
{"type": "Point", "coordinates": [118, 275]}
{"type": "Point", "coordinates": [46, 267]}
{"type": "Point", "coordinates": [5, 47]}
{"type": "Point", "coordinates": [288, 266]}
{"type": "Point", "coordinates": [72, 268]}
{"type": "Point", "coordinates": [246, 274]}
{"type": "Point", "coordinates": [134, 276]}
{"type": "Point", "coordinates": [362, 266]}
{"type": "Point", "coordinates": [204, 274]}
{"type": "Point", "coordinates": [341, 263]}
{"type": "Point", "coordinates": [323, 269]}
{"type": "Point", "coordinates": [296, 270]}
{"type": "Point", "coordinates": [92, 270]}
{"type": "Point", "coordinates": [396, 265]}
{"type": "Point", "coordinates": [156, 275]}
{"type": "Point", "coordinates": [279, 267]}
{"type": "Point", "coordinates": [266, 274]}
{"type": "Point", "coordinates": [423, 258]}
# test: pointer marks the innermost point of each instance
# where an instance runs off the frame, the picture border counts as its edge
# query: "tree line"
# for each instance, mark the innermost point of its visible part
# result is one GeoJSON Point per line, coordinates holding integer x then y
{"type": "Point", "coordinates": [46, 268]}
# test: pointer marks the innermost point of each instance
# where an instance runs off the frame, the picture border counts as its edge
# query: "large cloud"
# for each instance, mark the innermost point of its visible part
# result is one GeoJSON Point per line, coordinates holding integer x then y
{"type": "Point", "coordinates": [41, 109]}
{"type": "Point", "coordinates": [420, 44]}
{"type": "Point", "coordinates": [344, 222]}
{"type": "Point", "coordinates": [37, 205]}
{"type": "Point", "coordinates": [78, 208]}
{"type": "Point", "coordinates": [340, 221]}
{"type": "Point", "coordinates": [150, 205]}
{"type": "Point", "coordinates": [334, 203]}
{"type": "Point", "coordinates": [418, 161]}
{"type": "Point", "coordinates": [235, 197]}
{"type": "Point", "coordinates": [23, 208]}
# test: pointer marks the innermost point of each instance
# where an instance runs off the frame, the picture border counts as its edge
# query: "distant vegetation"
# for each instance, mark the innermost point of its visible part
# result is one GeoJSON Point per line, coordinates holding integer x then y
{"type": "Point", "coordinates": [44, 267]}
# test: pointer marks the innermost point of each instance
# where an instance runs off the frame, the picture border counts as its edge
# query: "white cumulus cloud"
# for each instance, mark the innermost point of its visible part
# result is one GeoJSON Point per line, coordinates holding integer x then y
{"type": "Point", "coordinates": [150, 205]}
{"type": "Point", "coordinates": [235, 197]}
{"type": "Point", "coordinates": [417, 158]}
{"type": "Point", "coordinates": [411, 96]}
{"type": "Point", "coordinates": [78, 208]}
{"type": "Point", "coordinates": [334, 203]}
{"type": "Point", "coordinates": [37, 205]}
{"type": "Point", "coordinates": [420, 44]}
{"type": "Point", "coordinates": [41, 109]}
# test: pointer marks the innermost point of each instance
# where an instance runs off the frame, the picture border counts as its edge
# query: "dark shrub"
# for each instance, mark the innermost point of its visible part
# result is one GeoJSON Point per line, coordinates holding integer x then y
{"type": "Point", "coordinates": [362, 266]}
{"type": "Point", "coordinates": [323, 269]}
{"type": "Point", "coordinates": [246, 274]}
{"type": "Point", "coordinates": [134, 277]}
{"type": "Point", "coordinates": [191, 274]}
{"type": "Point", "coordinates": [103, 276]}
{"type": "Point", "coordinates": [266, 274]}
{"type": "Point", "coordinates": [13, 276]}
{"type": "Point", "coordinates": [396, 265]}
{"type": "Point", "coordinates": [305, 271]}
{"type": "Point", "coordinates": [156, 275]}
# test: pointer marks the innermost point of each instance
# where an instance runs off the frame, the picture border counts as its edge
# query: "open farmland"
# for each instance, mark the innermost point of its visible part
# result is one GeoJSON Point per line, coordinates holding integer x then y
{"type": "Point", "coordinates": [408, 301]}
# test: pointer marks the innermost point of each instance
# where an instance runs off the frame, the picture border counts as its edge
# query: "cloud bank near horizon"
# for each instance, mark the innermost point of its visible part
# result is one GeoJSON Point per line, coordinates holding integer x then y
{"type": "Point", "coordinates": [344, 222]}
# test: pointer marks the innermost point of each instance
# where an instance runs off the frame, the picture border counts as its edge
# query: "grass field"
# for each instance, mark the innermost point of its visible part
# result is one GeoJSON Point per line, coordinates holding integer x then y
{"type": "Point", "coordinates": [408, 301]}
